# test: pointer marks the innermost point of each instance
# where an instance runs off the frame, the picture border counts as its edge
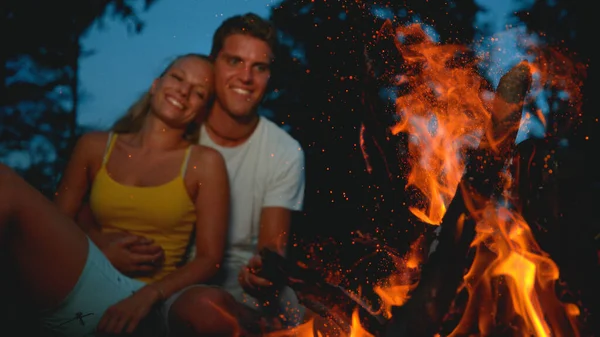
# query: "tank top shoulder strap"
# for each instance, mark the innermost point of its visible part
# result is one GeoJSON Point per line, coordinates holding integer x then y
{"type": "Point", "coordinates": [186, 159]}
{"type": "Point", "coordinates": [110, 143]}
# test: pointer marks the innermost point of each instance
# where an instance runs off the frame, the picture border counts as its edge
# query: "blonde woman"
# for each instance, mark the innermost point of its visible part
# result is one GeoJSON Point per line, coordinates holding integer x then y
{"type": "Point", "coordinates": [147, 178]}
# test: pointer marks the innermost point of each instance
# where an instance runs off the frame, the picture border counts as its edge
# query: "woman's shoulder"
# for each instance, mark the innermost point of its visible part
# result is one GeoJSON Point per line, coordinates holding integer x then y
{"type": "Point", "coordinates": [94, 138]}
{"type": "Point", "coordinates": [203, 155]}
{"type": "Point", "coordinates": [89, 147]}
{"type": "Point", "coordinates": [91, 142]}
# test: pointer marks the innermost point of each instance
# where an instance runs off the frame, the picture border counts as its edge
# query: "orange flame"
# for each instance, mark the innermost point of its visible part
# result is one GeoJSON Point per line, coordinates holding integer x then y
{"type": "Point", "coordinates": [313, 329]}
{"type": "Point", "coordinates": [444, 114]}
{"type": "Point", "coordinates": [395, 290]}
{"type": "Point", "coordinates": [510, 268]}
{"type": "Point", "coordinates": [447, 110]}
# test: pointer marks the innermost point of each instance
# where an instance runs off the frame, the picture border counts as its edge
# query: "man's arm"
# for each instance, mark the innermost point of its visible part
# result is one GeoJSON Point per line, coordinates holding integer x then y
{"type": "Point", "coordinates": [275, 223]}
{"type": "Point", "coordinates": [284, 195]}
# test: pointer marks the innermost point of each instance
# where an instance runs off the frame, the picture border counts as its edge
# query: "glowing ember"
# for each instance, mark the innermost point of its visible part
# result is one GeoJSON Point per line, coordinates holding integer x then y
{"type": "Point", "coordinates": [447, 110]}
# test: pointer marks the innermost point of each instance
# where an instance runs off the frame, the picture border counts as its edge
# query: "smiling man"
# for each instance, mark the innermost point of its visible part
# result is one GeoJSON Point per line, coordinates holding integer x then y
{"type": "Point", "coordinates": [265, 164]}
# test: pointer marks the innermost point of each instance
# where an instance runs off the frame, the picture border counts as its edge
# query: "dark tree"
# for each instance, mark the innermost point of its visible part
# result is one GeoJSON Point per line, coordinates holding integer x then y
{"type": "Point", "coordinates": [40, 63]}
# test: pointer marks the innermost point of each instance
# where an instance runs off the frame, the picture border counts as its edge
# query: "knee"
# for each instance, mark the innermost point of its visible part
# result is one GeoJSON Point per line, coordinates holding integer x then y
{"type": "Point", "coordinates": [4, 168]}
{"type": "Point", "coordinates": [7, 174]}
{"type": "Point", "coordinates": [8, 178]}
{"type": "Point", "coordinates": [12, 184]}
{"type": "Point", "coordinates": [202, 298]}
{"type": "Point", "coordinates": [203, 309]}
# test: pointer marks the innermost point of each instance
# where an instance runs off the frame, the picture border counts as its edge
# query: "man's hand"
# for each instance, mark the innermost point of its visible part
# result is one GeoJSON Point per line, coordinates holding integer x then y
{"type": "Point", "coordinates": [132, 254]}
{"type": "Point", "coordinates": [253, 284]}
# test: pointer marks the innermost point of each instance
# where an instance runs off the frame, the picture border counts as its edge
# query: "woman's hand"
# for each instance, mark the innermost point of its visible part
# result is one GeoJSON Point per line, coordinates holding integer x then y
{"type": "Point", "coordinates": [125, 316]}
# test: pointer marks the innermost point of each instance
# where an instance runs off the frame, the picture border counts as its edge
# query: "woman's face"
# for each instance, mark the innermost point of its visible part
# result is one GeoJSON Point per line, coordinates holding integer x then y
{"type": "Point", "coordinates": [183, 92]}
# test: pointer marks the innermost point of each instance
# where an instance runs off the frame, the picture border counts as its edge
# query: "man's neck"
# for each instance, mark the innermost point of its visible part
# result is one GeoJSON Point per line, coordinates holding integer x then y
{"type": "Point", "coordinates": [227, 131]}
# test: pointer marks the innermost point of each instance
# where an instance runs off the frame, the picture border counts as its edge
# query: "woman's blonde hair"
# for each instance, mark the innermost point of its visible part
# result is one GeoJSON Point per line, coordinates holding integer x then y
{"type": "Point", "coordinates": [133, 119]}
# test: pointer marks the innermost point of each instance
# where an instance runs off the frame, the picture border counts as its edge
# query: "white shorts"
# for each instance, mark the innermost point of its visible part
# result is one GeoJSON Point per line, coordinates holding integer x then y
{"type": "Point", "coordinates": [100, 286]}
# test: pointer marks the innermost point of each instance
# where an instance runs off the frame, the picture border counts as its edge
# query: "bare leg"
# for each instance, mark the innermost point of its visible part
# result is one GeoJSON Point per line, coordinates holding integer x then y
{"type": "Point", "coordinates": [49, 249]}
{"type": "Point", "coordinates": [214, 312]}
{"type": "Point", "coordinates": [204, 311]}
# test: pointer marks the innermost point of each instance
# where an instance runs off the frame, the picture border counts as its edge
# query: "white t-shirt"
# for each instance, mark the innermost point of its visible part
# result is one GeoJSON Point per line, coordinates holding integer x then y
{"type": "Point", "coordinates": [265, 171]}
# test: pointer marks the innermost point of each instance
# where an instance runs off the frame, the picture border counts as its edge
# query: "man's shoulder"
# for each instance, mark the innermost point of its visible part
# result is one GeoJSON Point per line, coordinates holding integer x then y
{"type": "Point", "coordinates": [279, 139]}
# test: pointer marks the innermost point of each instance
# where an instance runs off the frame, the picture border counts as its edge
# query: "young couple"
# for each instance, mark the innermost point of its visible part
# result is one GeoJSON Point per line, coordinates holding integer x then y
{"type": "Point", "coordinates": [158, 187]}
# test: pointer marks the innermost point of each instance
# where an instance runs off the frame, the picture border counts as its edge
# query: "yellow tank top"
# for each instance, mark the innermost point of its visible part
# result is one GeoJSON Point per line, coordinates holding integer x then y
{"type": "Point", "coordinates": [162, 213]}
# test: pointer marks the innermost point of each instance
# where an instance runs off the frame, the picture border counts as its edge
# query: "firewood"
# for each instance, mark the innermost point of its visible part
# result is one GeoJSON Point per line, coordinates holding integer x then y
{"type": "Point", "coordinates": [330, 301]}
{"type": "Point", "coordinates": [423, 313]}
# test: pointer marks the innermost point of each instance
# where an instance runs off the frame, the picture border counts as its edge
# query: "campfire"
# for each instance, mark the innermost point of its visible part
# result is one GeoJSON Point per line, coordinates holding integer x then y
{"type": "Point", "coordinates": [482, 273]}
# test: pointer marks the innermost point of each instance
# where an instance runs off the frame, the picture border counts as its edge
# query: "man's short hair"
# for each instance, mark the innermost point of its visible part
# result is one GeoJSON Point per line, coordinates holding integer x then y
{"type": "Point", "coordinates": [247, 24]}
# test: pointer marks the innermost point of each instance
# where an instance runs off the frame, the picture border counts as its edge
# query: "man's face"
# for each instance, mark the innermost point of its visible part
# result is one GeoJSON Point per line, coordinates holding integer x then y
{"type": "Point", "coordinates": [242, 71]}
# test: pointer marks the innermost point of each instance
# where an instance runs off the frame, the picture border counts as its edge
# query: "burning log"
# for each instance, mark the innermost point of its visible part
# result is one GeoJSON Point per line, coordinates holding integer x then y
{"type": "Point", "coordinates": [330, 301]}
{"type": "Point", "coordinates": [443, 109]}
{"type": "Point", "coordinates": [424, 312]}
{"type": "Point", "coordinates": [500, 251]}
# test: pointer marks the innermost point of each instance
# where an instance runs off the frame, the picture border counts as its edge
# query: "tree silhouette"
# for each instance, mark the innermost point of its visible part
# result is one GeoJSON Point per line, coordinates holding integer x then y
{"type": "Point", "coordinates": [40, 63]}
